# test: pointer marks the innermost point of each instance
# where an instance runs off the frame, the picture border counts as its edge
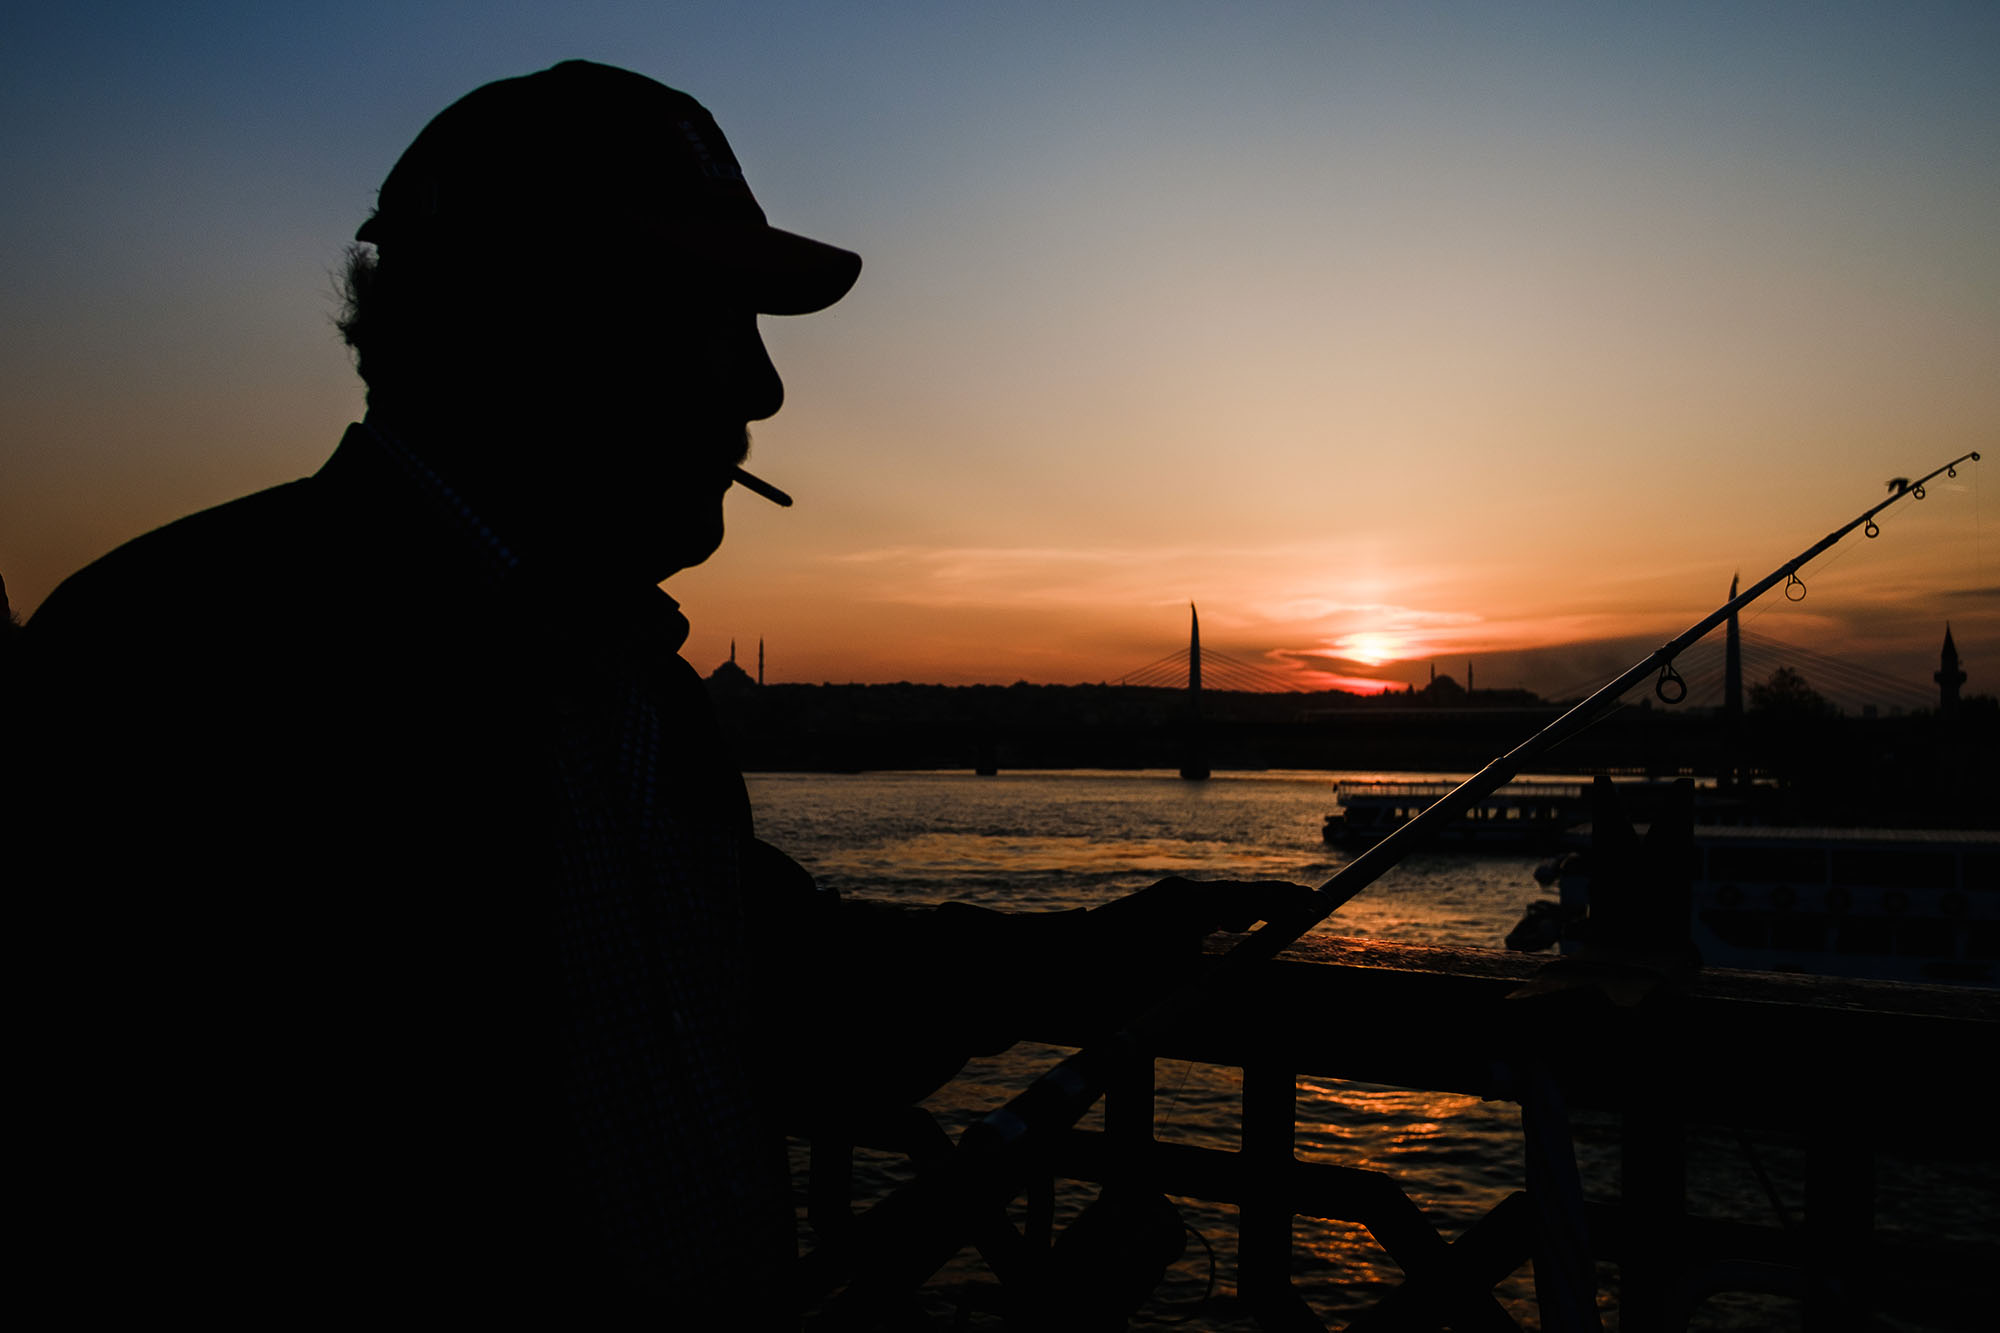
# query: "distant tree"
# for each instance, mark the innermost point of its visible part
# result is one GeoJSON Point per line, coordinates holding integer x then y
{"type": "Point", "coordinates": [1786, 695]}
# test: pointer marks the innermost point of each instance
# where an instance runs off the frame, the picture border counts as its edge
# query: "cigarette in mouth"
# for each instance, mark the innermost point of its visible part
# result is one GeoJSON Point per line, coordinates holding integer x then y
{"type": "Point", "coordinates": [750, 481]}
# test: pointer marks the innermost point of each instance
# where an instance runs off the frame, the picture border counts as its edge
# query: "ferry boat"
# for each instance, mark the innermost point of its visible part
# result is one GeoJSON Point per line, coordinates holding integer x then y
{"type": "Point", "coordinates": [1892, 904]}
{"type": "Point", "coordinates": [1520, 817]}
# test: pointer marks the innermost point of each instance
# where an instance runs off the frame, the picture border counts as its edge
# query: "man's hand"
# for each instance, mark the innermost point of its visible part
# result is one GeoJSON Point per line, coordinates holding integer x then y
{"type": "Point", "coordinates": [1120, 956]}
{"type": "Point", "coordinates": [1180, 913]}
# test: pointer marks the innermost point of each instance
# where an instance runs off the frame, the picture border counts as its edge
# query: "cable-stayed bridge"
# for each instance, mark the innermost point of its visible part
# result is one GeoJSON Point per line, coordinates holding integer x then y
{"type": "Point", "coordinates": [1219, 671]}
{"type": "Point", "coordinates": [1847, 685]}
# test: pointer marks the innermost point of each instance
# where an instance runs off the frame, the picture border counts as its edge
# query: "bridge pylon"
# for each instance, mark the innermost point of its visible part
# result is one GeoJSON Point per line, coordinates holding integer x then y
{"type": "Point", "coordinates": [1194, 738]}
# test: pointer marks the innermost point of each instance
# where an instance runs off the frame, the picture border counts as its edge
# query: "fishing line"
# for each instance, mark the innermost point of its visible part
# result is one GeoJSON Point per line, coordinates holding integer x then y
{"type": "Point", "coordinates": [1870, 529]}
{"type": "Point", "coordinates": [1820, 573]}
{"type": "Point", "coordinates": [1764, 1178]}
{"type": "Point", "coordinates": [1167, 1121]}
{"type": "Point", "coordinates": [1672, 689]}
{"type": "Point", "coordinates": [1978, 536]}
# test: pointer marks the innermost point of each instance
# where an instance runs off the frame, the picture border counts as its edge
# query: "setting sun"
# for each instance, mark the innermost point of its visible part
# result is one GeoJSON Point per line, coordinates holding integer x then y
{"type": "Point", "coordinates": [1372, 647]}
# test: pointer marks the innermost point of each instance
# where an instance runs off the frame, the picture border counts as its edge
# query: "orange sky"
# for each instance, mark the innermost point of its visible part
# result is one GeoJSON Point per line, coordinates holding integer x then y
{"type": "Point", "coordinates": [1384, 341]}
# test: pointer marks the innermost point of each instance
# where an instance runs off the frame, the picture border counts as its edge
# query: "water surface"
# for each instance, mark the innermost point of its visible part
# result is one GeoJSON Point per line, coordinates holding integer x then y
{"type": "Point", "coordinates": [1052, 841]}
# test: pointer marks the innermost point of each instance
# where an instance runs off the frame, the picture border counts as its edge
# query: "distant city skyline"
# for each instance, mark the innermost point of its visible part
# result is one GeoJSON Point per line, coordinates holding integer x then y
{"type": "Point", "coordinates": [1387, 334]}
{"type": "Point", "coordinates": [1853, 688]}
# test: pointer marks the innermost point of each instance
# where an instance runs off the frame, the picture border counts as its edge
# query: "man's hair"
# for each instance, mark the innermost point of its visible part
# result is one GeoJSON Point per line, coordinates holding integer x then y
{"type": "Point", "coordinates": [417, 318]}
{"type": "Point", "coordinates": [358, 314]}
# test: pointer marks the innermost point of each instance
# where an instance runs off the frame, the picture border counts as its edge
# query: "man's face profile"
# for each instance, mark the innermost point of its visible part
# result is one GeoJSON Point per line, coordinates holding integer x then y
{"type": "Point", "coordinates": [648, 389]}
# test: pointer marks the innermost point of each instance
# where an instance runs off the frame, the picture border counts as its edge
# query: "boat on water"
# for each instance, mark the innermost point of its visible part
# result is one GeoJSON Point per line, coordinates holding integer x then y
{"type": "Point", "coordinates": [1917, 905]}
{"type": "Point", "coordinates": [1528, 816]}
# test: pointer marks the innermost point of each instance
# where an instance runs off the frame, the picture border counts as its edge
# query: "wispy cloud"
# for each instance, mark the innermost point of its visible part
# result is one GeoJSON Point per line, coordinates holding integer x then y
{"type": "Point", "coordinates": [1379, 615]}
{"type": "Point", "coordinates": [1013, 577]}
{"type": "Point", "coordinates": [1094, 576]}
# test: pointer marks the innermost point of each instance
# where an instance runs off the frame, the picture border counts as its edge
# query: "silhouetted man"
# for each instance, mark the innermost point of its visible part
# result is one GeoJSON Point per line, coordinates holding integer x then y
{"type": "Point", "coordinates": [392, 901]}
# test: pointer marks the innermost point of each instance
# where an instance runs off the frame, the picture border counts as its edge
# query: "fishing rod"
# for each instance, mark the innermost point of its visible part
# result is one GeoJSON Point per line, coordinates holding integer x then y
{"type": "Point", "coordinates": [1058, 1098]}
{"type": "Point", "coordinates": [1369, 866]}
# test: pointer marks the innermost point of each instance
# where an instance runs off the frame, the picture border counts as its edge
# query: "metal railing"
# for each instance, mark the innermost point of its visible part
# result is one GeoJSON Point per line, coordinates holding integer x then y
{"type": "Point", "coordinates": [1737, 1049]}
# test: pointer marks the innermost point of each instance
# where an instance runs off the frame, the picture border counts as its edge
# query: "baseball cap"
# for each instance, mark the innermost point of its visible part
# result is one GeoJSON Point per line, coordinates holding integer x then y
{"type": "Point", "coordinates": [587, 153]}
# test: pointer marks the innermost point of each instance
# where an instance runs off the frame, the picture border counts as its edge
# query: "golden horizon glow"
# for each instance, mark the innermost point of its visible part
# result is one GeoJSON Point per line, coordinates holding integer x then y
{"type": "Point", "coordinates": [1508, 340]}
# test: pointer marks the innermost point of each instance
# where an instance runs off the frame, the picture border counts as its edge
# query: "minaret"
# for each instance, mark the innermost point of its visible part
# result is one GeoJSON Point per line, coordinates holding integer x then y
{"type": "Point", "coordinates": [732, 652]}
{"type": "Point", "coordinates": [760, 659]}
{"type": "Point", "coordinates": [1948, 676]}
{"type": "Point", "coordinates": [1468, 675]}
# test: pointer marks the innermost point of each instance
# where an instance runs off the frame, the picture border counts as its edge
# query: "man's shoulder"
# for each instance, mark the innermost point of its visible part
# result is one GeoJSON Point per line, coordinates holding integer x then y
{"type": "Point", "coordinates": [238, 551]}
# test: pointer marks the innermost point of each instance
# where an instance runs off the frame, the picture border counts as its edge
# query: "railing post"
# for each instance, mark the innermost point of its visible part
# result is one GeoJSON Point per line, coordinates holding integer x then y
{"type": "Point", "coordinates": [1840, 1225]}
{"type": "Point", "coordinates": [1264, 1226]}
{"type": "Point", "coordinates": [1128, 1110]}
{"type": "Point", "coordinates": [1653, 1176]}
{"type": "Point", "coordinates": [1565, 1278]}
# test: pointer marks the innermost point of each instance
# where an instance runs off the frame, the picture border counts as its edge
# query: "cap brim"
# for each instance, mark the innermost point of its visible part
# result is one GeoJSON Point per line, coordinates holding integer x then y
{"type": "Point", "coordinates": [783, 273]}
